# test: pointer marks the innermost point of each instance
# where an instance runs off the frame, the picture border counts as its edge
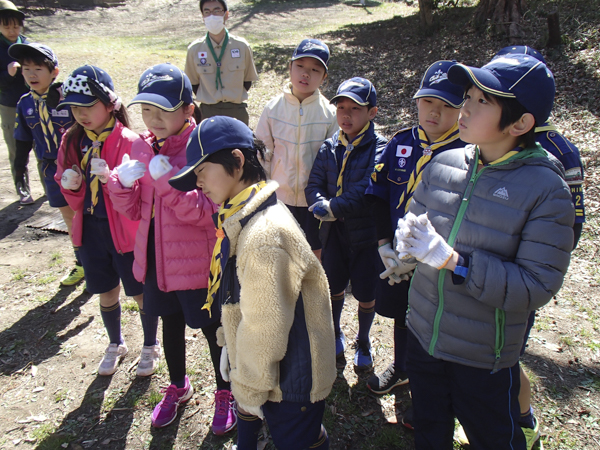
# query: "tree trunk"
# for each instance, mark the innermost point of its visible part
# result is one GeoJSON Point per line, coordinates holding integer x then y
{"type": "Point", "coordinates": [426, 13]}
{"type": "Point", "coordinates": [554, 37]}
{"type": "Point", "coordinates": [502, 16]}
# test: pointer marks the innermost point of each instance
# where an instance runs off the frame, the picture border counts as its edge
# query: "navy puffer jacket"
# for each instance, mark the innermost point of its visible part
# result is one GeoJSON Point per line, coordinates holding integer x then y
{"type": "Point", "coordinates": [351, 206]}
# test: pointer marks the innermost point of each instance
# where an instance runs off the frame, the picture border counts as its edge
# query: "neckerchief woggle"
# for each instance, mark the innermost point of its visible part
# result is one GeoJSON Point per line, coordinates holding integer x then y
{"type": "Point", "coordinates": [428, 148]}
{"type": "Point", "coordinates": [221, 250]}
{"type": "Point", "coordinates": [343, 139]}
{"type": "Point", "coordinates": [94, 152]}
{"type": "Point", "coordinates": [214, 55]}
{"type": "Point", "coordinates": [48, 131]}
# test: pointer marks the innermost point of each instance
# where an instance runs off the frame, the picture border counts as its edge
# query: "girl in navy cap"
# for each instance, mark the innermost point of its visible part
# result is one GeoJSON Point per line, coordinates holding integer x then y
{"type": "Point", "coordinates": [293, 126]}
{"type": "Point", "coordinates": [175, 238]}
{"type": "Point", "coordinates": [271, 288]}
{"type": "Point", "coordinates": [89, 149]}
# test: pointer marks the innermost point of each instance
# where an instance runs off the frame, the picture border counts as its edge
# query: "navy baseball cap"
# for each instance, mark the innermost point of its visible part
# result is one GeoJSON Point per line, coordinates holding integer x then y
{"type": "Point", "coordinates": [164, 86]}
{"type": "Point", "coordinates": [521, 49]}
{"type": "Point", "coordinates": [312, 48]}
{"type": "Point", "coordinates": [87, 85]}
{"type": "Point", "coordinates": [213, 134]}
{"type": "Point", "coordinates": [22, 51]}
{"type": "Point", "coordinates": [435, 84]}
{"type": "Point", "coordinates": [358, 89]}
{"type": "Point", "coordinates": [517, 76]}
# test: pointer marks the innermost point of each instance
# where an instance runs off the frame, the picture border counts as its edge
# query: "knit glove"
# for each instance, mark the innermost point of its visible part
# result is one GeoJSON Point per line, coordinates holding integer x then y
{"type": "Point", "coordinates": [417, 237]}
{"type": "Point", "coordinates": [253, 410]}
{"type": "Point", "coordinates": [224, 364]}
{"type": "Point", "coordinates": [130, 170]}
{"type": "Point", "coordinates": [71, 179]}
{"type": "Point", "coordinates": [322, 211]}
{"type": "Point", "coordinates": [99, 168]}
{"type": "Point", "coordinates": [159, 166]}
{"type": "Point", "coordinates": [390, 262]}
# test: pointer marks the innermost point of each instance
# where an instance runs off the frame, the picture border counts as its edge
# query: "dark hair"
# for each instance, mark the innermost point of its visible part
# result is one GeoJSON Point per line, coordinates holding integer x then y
{"type": "Point", "coordinates": [222, 2]}
{"type": "Point", "coordinates": [252, 170]}
{"type": "Point", "coordinates": [75, 133]}
{"type": "Point", "coordinates": [511, 111]}
{"type": "Point", "coordinates": [8, 15]}
{"type": "Point", "coordinates": [37, 59]}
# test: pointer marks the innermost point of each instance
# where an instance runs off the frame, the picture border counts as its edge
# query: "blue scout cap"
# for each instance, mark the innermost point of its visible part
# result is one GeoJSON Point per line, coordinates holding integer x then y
{"type": "Point", "coordinates": [358, 89]}
{"type": "Point", "coordinates": [86, 85]}
{"type": "Point", "coordinates": [164, 86]}
{"type": "Point", "coordinates": [22, 51]}
{"type": "Point", "coordinates": [435, 84]}
{"type": "Point", "coordinates": [213, 134]}
{"type": "Point", "coordinates": [522, 49]}
{"type": "Point", "coordinates": [312, 48]}
{"type": "Point", "coordinates": [517, 76]}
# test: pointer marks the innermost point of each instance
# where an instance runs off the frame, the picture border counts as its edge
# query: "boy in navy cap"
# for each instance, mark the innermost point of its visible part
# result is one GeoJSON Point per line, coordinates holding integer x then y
{"type": "Point", "coordinates": [336, 192]}
{"type": "Point", "coordinates": [271, 289]}
{"type": "Point", "coordinates": [491, 227]}
{"type": "Point", "coordinates": [38, 121]}
{"type": "Point", "coordinates": [396, 176]}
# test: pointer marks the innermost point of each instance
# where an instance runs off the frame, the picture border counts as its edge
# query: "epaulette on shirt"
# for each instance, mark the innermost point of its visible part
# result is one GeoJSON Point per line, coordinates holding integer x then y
{"type": "Point", "coordinates": [561, 144]}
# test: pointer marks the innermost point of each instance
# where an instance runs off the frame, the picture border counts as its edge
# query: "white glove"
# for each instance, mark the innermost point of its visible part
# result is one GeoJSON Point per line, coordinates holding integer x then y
{"type": "Point", "coordinates": [159, 166]}
{"type": "Point", "coordinates": [396, 270]}
{"type": "Point", "coordinates": [99, 168]}
{"type": "Point", "coordinates": [130, 170]}
{"type": "Point", "coordinates": [425, 243]}
{"type": "Point", "coordinates": [322, 211]}
{"type": "Point", "coordinates": [254, 410]}
{"type": "Point", "coordinates": [224, 364]}
{"type": "Point", "coordinates": [71, 179]}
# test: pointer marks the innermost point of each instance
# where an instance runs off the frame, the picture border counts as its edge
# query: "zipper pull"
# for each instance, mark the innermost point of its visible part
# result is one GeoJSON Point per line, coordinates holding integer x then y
{"type": "Point", "coordinates": [301, 111]}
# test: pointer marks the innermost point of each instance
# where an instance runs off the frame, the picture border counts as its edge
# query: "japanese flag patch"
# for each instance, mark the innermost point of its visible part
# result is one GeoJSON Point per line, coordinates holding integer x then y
{"type": "Point", "coordinates": [403, 151]}
{"type": "Point", "coordinates": [202, 55]}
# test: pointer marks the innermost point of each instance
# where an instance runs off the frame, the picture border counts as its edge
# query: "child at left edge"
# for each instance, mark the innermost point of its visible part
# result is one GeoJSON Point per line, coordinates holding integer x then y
{"type": "Point", "coordinates": [175, 238]}
{"type": "Point", "coordinates": [336, 192]}
{"type": "Point", "coordinates": [38, 121]}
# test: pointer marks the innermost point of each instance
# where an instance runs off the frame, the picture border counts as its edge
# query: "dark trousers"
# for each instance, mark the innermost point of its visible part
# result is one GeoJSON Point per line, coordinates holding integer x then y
{"type": "Point", "coordinates": [485, 403]}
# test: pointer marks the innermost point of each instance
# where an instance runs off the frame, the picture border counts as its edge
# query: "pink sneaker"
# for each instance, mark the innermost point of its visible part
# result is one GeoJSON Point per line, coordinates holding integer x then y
{"type": "Point", "coordinates": [166, 411]}
{"type": "Point", "coordinates": [225, 412]}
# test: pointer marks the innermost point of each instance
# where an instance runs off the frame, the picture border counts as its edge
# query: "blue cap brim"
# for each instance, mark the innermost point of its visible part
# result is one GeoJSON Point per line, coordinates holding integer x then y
{"type": "Point", "coordinates": [78, 100]}
{"type": "Point", "coordinates": [350, 95]}
{"type": "Point", "coordinates": [453, 100]}
{"type": "Point", "coordinates": [160, 101]}
{"type": "Point", "coordinates": [313, 57]}
{"type": "Point", "coordinates": [480, 78]}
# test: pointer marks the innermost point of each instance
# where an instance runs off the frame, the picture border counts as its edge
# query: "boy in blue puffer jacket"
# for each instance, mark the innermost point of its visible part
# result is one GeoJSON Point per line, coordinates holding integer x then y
{"type": "Point", "coordinates": [336, 192]}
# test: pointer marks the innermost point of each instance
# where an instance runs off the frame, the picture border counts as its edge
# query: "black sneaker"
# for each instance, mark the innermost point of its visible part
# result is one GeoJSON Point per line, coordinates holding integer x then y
{"type": "Point", "coordinates": [407, 418]}
{"type": "Point", "coordinates": [384, 382]}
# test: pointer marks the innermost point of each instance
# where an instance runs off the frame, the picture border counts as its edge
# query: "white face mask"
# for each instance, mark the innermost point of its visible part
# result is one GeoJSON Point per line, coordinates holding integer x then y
{"type": "Point", "coordinates": [214, 24]}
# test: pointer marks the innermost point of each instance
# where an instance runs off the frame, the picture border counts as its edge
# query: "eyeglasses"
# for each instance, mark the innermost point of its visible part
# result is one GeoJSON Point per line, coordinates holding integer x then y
{"type": "Point", "coordinates": [213, 12]}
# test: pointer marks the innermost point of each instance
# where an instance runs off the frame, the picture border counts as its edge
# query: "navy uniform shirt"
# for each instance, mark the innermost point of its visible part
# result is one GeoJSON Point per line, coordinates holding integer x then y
{"type": "Point", "coordinates": [554, 142]}
{"type": "Point", "coordinates": [29, 128]}
{"type": "Point", "coordinates": [399, 168]}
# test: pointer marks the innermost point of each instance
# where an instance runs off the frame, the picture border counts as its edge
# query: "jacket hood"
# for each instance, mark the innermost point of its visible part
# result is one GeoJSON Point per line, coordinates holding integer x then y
{"type": "Point", "coordinates": [533, 156]}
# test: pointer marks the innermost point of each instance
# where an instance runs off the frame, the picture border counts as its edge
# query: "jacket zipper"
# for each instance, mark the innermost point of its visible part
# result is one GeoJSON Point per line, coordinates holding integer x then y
{"type": "Point", "coordinates": [301, 113]}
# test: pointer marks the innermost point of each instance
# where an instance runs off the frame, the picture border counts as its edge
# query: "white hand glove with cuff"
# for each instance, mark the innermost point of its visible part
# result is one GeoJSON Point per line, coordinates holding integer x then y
{"type": "Point", "coordinates": [322, 211]}
{"type": "Point", "coordinates": [159, 166]}
{"type": "Point", "coordinates": [71, 179]}
{"type": "Point", "coordinates": [99, 168]}
{"type": "Point", "coordinates": [224, 364]}
{"type": "Point", "coordinates": [130, 170]}
{"type": "Point", "coordinates": [425, 243]}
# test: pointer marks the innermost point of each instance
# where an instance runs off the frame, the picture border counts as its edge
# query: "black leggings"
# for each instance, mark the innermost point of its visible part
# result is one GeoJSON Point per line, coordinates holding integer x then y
{"type": "Point", "coordinates": [174, 346]}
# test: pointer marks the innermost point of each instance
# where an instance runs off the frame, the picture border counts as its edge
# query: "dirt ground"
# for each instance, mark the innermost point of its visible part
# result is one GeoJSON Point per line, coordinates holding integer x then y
{"type": "Point", "coordinates": [52, 338]}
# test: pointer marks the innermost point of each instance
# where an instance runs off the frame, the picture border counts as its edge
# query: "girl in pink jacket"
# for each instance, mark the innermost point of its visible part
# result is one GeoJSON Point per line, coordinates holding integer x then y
{"type": "Point", "coordinates": [176, 236]}
{"type": "Point", "coordinates": [96, 143]}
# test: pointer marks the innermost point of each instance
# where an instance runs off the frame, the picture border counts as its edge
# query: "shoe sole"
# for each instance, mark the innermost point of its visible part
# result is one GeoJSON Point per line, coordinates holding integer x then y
{"type": "Point", "coordinates": [385, 391]}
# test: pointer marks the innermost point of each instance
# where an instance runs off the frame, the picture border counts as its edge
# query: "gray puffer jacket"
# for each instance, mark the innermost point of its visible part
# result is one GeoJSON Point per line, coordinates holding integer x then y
{"type": "Point", "coordinates": [513, 220]}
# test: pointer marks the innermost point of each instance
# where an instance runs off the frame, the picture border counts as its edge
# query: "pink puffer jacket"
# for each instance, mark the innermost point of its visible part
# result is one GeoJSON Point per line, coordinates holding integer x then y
{"type": "Point", "coordinates": [184, 232]}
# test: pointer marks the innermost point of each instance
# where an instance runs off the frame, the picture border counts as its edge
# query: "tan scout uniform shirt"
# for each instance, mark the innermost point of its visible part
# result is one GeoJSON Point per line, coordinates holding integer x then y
{"type": "Point", "coordinates": [237, 66]}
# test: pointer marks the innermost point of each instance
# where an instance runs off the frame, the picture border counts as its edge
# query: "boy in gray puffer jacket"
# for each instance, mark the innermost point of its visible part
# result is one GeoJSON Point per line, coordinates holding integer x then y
{"type": "Point", "coordinates": [493, 246]}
